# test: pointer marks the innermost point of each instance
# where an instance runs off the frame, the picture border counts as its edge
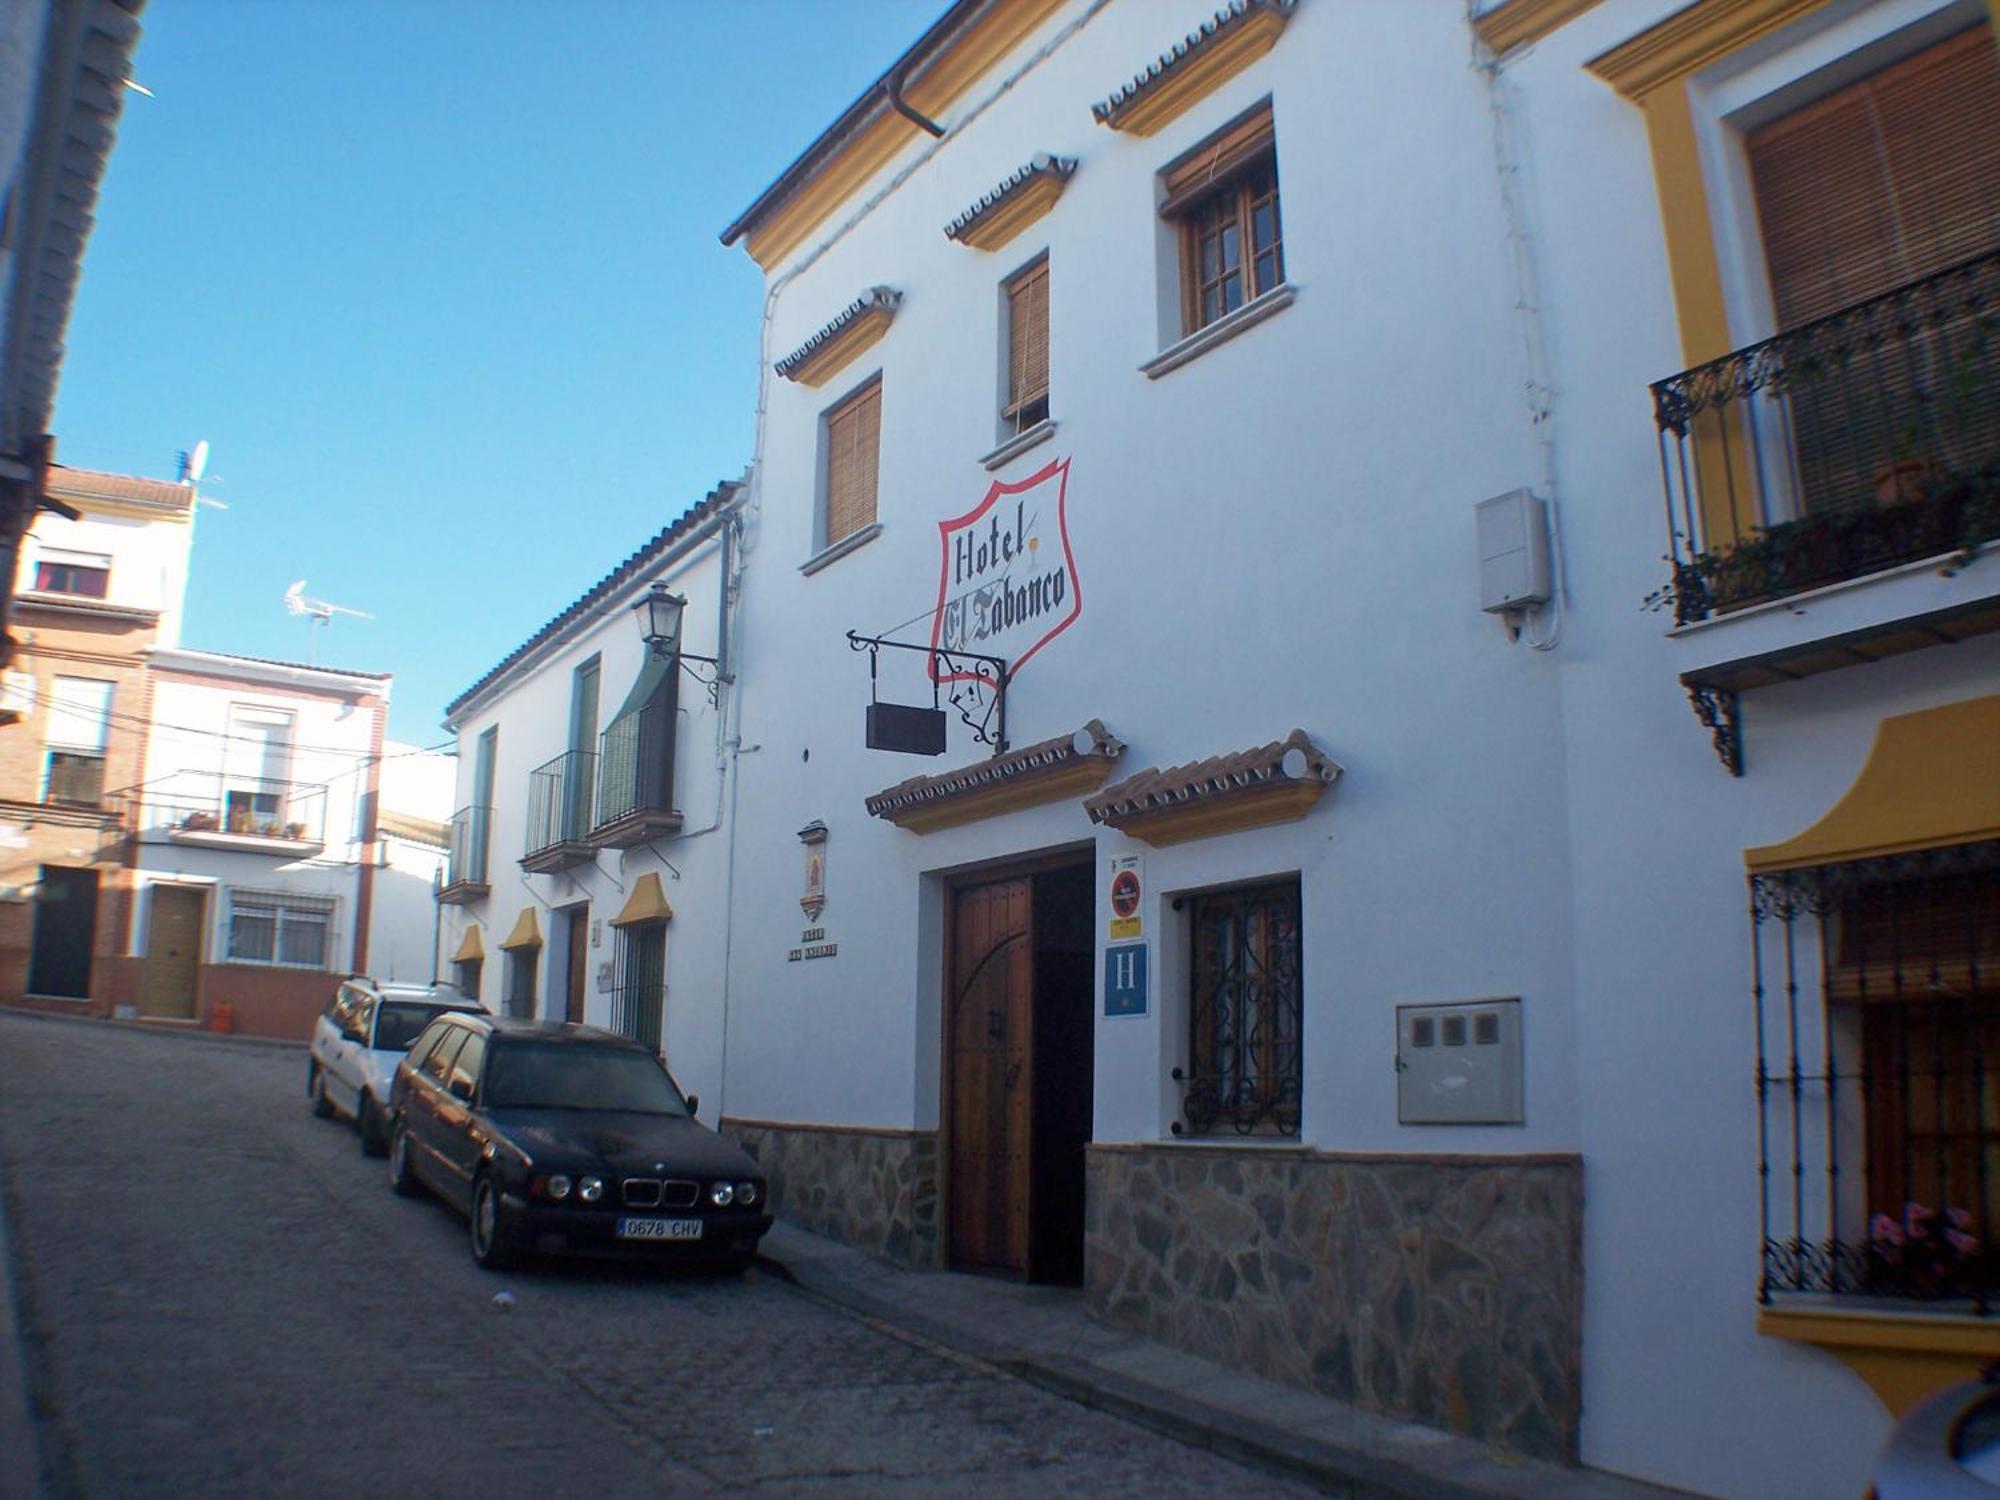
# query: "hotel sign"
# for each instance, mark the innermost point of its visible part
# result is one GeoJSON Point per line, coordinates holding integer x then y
{"type": "Point", "coordinates": [1007, 582]}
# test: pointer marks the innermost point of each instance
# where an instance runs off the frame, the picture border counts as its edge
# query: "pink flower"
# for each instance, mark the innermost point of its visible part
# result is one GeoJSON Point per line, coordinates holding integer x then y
{"type": "Point", "coordinates": [1965, 1244]}
{"type": "Point", "coordinates": [1959, 1218]}
{"type": "Point", "coordinates": [1914, 1215]}
{"type": "Point", "coordinates": [1885, 1230]}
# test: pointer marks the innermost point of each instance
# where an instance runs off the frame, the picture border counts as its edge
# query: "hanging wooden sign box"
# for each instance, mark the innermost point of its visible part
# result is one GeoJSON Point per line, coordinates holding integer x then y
{"type": "Point", "coordinates": [913, 731]}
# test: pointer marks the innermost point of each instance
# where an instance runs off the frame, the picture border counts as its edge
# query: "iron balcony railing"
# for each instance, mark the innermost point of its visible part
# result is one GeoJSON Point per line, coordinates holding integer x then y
{"type": "Point", "coordinates": [636, 764]}
{"type": "Point", "coordinates": [193, 805]}
{"type": "Point", "coordinates": [559, 794]}
{"type": "Point", "coordinates": [1849, 445]}
{"type": "Point", "coordinates": [471, 832]}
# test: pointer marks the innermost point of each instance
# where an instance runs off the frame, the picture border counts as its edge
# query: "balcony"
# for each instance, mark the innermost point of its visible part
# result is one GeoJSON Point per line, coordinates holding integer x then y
{"type": "Point", "coordinates": [1832, 493]}
{"type": "Point", "coordinates": [246, 814]}
{"type": "Point", "coordinates": [635, 789]}
{"type": "Point", "coordinates": [465, 864]}
{"type": "Point", "coordinates": [559, 795]}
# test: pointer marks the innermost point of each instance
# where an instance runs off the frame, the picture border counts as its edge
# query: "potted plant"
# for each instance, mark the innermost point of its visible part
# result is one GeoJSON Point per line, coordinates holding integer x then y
{"type": "Point", "coordinates": [199, 822]}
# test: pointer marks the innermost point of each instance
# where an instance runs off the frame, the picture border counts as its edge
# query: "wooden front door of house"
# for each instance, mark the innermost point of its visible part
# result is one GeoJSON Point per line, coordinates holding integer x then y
{"type": "Point", "coordinates": [990, 1034]}
{"type": "Point", "coordinates": [577, 934]}
{"type": "Point", "coordinates": [64, 934]}
{"type": "Point", "coordinates": [173, 953]}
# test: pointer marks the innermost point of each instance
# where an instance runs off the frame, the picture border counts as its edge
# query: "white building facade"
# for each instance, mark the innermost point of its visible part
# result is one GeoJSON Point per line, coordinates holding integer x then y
{"type": "Point", "coordinates": [257, 842]}
{"type": "Point", "coordinates": [589, 860]}
{"type": "Point", "coordinates": [1349, 955]}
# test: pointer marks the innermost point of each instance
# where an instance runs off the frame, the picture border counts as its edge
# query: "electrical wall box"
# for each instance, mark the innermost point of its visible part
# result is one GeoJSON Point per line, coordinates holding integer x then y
{"type": "Point", "coordinates": [1513, 552]}
{"type": "Point", "coordinates": [1459, 1063]}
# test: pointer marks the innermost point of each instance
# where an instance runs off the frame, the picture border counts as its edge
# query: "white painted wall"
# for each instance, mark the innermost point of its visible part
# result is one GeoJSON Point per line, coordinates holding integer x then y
{"type": "Point", "coordinates": [1280, 534]}
{"type": "Point", "coordinates": [194, 748]}
{"type": "Point", "coordinates": [149, 558]}
{"type": "Point", "coordinates": [531, 707]}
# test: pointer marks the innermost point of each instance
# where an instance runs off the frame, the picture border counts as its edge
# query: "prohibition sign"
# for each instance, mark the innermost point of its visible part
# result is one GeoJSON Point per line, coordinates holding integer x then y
{"type": "Point", "coordinates": [1125, 893]}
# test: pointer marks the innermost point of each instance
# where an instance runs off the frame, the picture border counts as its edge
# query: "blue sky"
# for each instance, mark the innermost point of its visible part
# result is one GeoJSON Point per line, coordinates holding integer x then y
{"type": "Point", "coordinates": [440, 283]}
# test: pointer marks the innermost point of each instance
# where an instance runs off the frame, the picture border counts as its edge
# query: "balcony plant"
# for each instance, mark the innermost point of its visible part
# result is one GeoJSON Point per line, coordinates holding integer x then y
{"type": "Point", "coordinates": [199, 822]}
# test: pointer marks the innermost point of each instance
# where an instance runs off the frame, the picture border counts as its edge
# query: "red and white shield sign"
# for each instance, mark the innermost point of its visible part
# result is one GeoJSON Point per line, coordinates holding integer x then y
{"type": "Point", "coordinates": [1007, 582]}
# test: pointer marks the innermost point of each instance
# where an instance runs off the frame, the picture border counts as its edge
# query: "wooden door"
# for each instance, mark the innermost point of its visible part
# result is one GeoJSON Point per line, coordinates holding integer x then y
{"type": "Point", "coordinates": [173, 953]}
{"type": "Point", "coordinates": [65, 933]}
{"type": "Point", "coordinates": [990, 1033]}
{"type": "Point", "coordinates": [579, 960]}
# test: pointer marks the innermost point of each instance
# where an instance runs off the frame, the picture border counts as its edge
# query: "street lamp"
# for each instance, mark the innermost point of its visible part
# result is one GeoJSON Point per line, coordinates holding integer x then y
{"type": "Point", "coordinates": [659, 615]}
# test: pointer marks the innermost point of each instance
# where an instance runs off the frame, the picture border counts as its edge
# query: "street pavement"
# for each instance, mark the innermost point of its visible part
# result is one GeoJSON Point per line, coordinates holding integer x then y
{"type": "Point", "coordinates": [219, 1295]}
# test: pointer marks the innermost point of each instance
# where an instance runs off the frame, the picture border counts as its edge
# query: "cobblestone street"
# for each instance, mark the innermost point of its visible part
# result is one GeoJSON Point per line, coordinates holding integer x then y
{"type": "Point", "coordinates": [220, 1295]}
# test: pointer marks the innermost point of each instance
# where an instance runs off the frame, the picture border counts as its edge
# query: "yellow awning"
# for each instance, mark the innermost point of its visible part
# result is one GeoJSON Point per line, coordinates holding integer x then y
{"type": "Point", "coordinates": [1932, 779]}
{"type": "Point", "coordinates": [646, 902]}
{"type": "Point", "coordinates": [525, 934]}
{"type": "Point", "coordinates": [470, 948]}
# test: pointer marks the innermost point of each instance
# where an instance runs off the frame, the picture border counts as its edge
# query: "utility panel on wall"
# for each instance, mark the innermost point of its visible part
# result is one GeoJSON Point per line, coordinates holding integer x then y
{"type": "Point", "coordinates": [1513, 552]}
{"type": "Point", "coordinates": [1459, 1064]}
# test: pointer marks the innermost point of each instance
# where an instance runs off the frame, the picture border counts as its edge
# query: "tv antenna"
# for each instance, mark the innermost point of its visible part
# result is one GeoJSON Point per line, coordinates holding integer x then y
{"type": "Point", "coordinates": [194, 464]}
{"type": "Point", "coordinates": [317, 611]}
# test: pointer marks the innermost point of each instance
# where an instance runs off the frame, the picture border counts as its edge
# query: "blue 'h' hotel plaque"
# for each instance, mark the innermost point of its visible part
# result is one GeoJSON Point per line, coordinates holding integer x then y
{"type": "Point", "coordinates": [1125, 980]}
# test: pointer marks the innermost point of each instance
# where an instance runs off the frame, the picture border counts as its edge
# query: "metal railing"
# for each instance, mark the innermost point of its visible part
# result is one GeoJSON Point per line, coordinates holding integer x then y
{"type": "Point", "coordinates": [1849, 445]}
{"type": "Point", "coordinates": [636, 764]}
{"type": "Point", "coordinates": [559, 796]}
{"type": "Point", "coordinates": [214, 802]}
{"type": "Point", "coordinates": [75, 779]}
{"type": "Point", "coordinates": [471, 832]}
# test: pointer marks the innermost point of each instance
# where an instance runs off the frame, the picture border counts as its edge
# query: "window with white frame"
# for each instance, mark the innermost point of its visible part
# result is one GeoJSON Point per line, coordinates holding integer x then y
{"type": "Point", "coordinates": [79, 720]}
{"type": "Point", "coordinates": [281, 928]}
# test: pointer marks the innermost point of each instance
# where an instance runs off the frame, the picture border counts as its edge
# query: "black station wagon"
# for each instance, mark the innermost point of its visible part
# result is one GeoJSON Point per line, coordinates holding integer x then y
{"type": "Point", "coordinates": [557, 1138]}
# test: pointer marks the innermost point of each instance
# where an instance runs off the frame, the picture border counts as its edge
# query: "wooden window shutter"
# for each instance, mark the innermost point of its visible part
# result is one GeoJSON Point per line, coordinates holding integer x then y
{"type": "Point", "coordinates": [853, 442]}
{"type": "Point", "coordinates": [1028, 339]}
{"type": "Point", "coordinates": [1219, 160]}
{"type": "Point", "coordinates": [1886, 181]}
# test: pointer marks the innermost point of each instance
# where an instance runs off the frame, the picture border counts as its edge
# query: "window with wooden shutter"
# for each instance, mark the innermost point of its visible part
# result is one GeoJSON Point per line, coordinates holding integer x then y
{"type": "Point", "coordinates": [853, 442]}
{"type": "Point", "coordinates": [1028, 348]}
{"type": "Point", "coordinates": [1882, 185]}
{"type": "Point", "coordinates": [1223, 195]}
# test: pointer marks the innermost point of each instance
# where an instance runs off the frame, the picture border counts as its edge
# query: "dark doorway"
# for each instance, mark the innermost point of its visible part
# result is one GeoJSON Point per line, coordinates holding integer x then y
{"type": "Point", "coordinates": [576, 928]}
{"type": "Point", "coordinates": [1019, 1078]}
{"type": "Point", "coordinates": [65, 932]}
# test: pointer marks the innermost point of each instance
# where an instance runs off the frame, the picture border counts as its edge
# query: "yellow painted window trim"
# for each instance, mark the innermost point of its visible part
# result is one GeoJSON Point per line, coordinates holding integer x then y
{"type": "Point", "coordinates": [526, 933]}
{"type": "Point", "coordinates": [647, 902]}
{"type": "Point", "coordinates": [471, 948]}
{"type": "Point", "coordinates": [1519, 22]}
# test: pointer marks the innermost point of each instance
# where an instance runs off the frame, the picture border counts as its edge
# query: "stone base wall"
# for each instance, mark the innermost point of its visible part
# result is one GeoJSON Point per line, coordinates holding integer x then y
{"type": "Point", "coordinates": [876, 1189]}
{"type": "Point", "coordinates": [1444, 1289]}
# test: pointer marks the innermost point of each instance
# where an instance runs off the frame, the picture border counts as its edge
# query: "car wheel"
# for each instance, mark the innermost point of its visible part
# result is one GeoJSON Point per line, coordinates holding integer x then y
{"type": "Point", "coordinates": [316, 1091]}
{"type": "Point", "coordinates": [491, 1246]}
{"type": "Point", "coordinates": [402, 1177]}
{"type": "Point", "coordinates": [369, 1122]}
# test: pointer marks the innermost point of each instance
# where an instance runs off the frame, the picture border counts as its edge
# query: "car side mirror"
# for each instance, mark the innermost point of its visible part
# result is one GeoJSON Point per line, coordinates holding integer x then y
{"type": "Point", "coordinates": [461, 1088]}
{"type": "Point", "coordinates": [694, 1103]}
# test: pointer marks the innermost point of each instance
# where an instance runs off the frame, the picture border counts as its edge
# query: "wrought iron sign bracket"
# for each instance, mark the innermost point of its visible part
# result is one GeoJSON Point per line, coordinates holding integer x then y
{"type": "Point", "coordinates": [975, 680]}
{"type": "Point", "coordinates": [714, 681]}
{"type": "Point", "coordinates": [1721, 713]}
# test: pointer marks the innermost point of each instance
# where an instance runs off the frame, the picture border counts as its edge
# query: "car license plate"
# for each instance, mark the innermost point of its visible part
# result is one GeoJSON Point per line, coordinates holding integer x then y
{"type": "Point", "coordinates": [659, 1229]}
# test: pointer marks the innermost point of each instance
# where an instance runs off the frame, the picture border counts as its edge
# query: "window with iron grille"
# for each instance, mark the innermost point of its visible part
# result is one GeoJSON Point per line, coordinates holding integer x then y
{"type": "Point", "coordinates": [468, 970]}
{"type": "Point", "coordinates": [852, 433]}
{"type": "Point", "coordinates": [1245, 1009]}
{"type": "Point", "coordinates": [280, 928]}
{"type": "Point", "coordinates": [639, 1011]}
{"type": "Point", "coordinates": [1879, 1098]}
{"type": "Point", "coordinates": [1027, 350]}
{"type": "Point", "coordinates": [77, 732]}
{"type": "Point", "coordinates": [1222, 198]}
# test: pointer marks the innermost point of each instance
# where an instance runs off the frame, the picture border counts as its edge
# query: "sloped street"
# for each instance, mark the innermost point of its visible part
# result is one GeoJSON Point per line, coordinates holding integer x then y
{"type": "Point", "coordinates": [219, 1295]}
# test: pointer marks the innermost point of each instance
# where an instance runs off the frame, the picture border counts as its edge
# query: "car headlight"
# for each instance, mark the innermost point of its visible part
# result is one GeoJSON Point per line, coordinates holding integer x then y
{"type": "Point", "coordinates": [590, 1189]}
{"type": "Point", "coordinates": [558, 1187]}
{"type": "Point", "coordinates": [746, 1193]}
{"type": "Point", "coordinates": [722, 1194]}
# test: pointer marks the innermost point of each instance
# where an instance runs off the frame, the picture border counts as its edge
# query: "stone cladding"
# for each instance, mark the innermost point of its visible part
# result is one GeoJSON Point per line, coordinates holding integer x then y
{"type": "Point", "coordinates": [1445, 1289]}
{"type": "Point", "coordinates": [877, 1190]}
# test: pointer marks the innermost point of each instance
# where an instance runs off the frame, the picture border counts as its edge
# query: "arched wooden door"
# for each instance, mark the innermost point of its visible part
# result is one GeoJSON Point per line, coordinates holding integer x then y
{"type": "Point", "coordinates": [991, 1031]}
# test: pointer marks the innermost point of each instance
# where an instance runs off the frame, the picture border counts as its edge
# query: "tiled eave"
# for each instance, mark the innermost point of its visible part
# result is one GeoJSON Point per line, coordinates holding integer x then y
{"type": "Point", "coordinates": [1054, 769]}
{"type": "Point", "coordinates": [861, 323]}
{"type": "Point", "coordinates": [1223, 794]}
{"type": "Point", "coordinates": [1012, 206]}
{"type": "Point", "coordinates": [1223, 46]}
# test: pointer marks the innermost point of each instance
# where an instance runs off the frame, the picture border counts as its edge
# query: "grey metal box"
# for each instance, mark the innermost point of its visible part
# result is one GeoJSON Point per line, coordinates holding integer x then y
{"type": "Point", "coordinates": [1513, 552]}
{"type": "Point", "coordinates": [1459, 1063]}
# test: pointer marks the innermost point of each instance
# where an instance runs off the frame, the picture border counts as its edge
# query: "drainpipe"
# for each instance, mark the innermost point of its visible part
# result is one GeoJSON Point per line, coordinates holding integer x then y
{"type": "Point", "coordinates": [892, 90]}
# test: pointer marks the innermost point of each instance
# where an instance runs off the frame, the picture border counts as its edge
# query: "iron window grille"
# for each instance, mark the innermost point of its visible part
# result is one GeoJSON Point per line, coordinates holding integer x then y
{"type": "Point", "coordinates": [521, 964]}
{"type": "Point", "coordinates": [468, 971]}
{"type": "Point", "coordinates": [639, 1005]}
{"type": "Point", "coordinates": [76, 778]}
{"type": "Point", "coordinates": [280, 928]}
{"type": "Point", "coordinates": [1245, 1068]}
{"type": "Point", "coordinates": [1878, 1107]}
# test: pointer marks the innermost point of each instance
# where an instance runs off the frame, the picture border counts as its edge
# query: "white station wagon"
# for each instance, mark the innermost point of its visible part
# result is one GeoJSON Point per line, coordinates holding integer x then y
{"type": "Point", "coordinates": [357, 1042]}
